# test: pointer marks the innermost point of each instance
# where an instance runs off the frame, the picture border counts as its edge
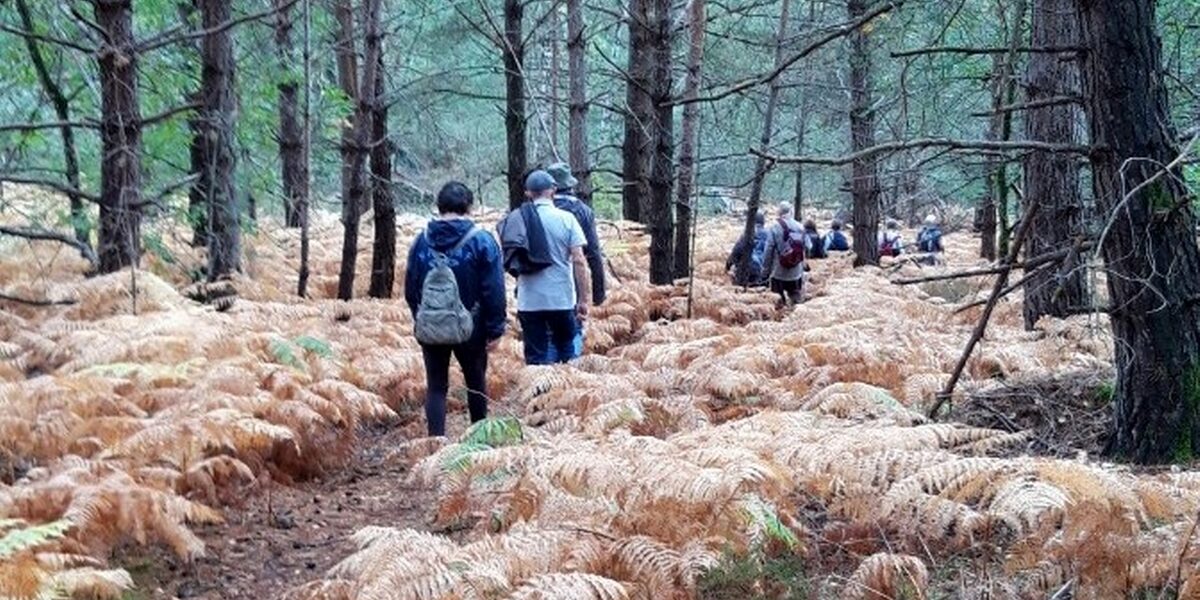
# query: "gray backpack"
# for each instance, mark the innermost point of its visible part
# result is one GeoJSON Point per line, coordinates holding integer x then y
{"type": "Point", "coordinates": [441, 319]}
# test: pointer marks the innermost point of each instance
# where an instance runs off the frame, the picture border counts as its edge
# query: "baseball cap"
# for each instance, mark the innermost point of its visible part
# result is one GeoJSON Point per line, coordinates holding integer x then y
{"type": "Point", "coordinates": [539, 181]}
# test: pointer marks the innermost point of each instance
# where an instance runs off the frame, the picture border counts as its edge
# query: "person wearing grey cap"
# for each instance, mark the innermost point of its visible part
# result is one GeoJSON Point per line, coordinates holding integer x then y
{"type": "Point", "coordinates": [552, 302]}
{"type": "Point", "coordinates": [565, 199]}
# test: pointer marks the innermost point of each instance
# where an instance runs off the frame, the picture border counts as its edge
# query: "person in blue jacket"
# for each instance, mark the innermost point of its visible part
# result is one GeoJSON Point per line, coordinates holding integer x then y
{"type": "Point", "coordinates": [478, 269]}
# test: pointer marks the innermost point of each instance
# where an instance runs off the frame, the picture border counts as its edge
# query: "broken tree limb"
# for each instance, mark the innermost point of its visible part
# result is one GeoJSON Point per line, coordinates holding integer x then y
{"type": "Point", "coordinates": [35, 302]}
{"type": "Point", "coordinates": [975, 51]}
{"type": "Point", "coordinates": [1006, 291]}
{"type": "Point", "coordinates": [1027, 265]}
{"type": "Point", "coordinates": [30, 233]}
{"type": "Point", "coordinates": [896, 146]}
{"type": "Point", "coordinates": [1044, 102]}
{"type": "Point", "coordinates": [981, 326]}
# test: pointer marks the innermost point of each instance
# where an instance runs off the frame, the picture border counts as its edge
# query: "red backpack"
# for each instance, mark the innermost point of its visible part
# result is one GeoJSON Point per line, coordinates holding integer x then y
{"type": "Point", "coordinates": [792, 254]}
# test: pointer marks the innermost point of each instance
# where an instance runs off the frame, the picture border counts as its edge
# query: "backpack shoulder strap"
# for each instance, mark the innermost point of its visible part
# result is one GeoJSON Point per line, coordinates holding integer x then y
{"type": "Point", "coordinates": [466, 238]}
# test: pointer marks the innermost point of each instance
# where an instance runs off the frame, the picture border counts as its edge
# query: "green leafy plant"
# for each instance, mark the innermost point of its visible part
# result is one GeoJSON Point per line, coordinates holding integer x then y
{"type": "Point", "coordinates": [292, 352]}
{"type": "Point", "coordinates": [21, 537]}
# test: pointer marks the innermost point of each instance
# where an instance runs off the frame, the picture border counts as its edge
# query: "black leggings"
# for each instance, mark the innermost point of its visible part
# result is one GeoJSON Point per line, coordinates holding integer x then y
{"type": "Point", "coordinates": [472, 357]}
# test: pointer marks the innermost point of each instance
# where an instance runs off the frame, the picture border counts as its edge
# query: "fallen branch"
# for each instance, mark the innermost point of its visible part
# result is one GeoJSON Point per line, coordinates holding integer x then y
{"type": "Point", "coordinates": [896, 146]}
{"type": "Point", "coordinates": [1028, 265]}
{"type": "Point", "coordinates": [32, 302]}
{"type": "Point", "coordinates": [30, 233]}
{"type": "Point", "coordinates": [981, 326]}
{"type": "Point", "coordinates": [1006, 291]}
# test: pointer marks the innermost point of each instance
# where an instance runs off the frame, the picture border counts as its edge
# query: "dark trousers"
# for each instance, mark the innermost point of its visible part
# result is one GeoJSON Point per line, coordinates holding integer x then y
{"type": "Point", "coordinates": [472, 357]}
{"type": "Point", "coordinates": [542, 330]}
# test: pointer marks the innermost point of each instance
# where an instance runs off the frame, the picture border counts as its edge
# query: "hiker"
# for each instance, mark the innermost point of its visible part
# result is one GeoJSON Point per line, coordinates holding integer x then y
{"type": "Point", "coordinates": [835, 240]}
{"type": "Point", "coordinates": [785, 254]}
{"type": "Point", "coordinates": [929, 242]}
{"type": "Point", "coordinates": [454, 286]}
{"type": "Point", "coordinates": [757, 277]}
{"type": "Point", "coordinates": [890, 241]}
{"type": "Point", "coordinates": [813, 241]}
{"type": "Point", "coordinates": [565, 199]}
{"type": "Point", "coordinates": [553, 299]}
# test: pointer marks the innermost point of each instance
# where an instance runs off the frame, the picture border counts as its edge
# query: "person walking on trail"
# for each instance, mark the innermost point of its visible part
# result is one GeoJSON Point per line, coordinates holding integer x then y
{"type": "Point", "coordinates": [890, 241]}
{"type": "Point", "coordinates": [835, 240]}
{"type": "Point", "coordinates": [757, 275]}
{"type": "Point", "coordinates": [786, 251]}
{"type": "Point", "coordinates": [814, 242]}
{"type": "Point", "coordinates": [566, 199]}
{"type": "Point", "coordinates": [930, 238]}
{"type": "Point", "coordinates": [552, 302]}
{"type": "Point", "coordinates": [454, 286]}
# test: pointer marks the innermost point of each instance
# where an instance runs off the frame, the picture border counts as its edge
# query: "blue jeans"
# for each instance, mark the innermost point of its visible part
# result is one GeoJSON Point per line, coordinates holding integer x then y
{"type": "Point", "coordinates": [549, 336]}
{"type": "Point", "coordinates": [577, 343]}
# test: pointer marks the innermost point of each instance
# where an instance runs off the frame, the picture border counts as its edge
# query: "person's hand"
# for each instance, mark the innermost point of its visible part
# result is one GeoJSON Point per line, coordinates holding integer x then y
{"type": "Point", "coordinates": [493, 344]}
{"type": "Point", "coordinates": [581, 311]}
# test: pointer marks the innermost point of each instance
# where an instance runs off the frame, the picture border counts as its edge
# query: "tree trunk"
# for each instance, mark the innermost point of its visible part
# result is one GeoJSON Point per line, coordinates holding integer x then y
{"type": "Point", "coordinates": [306, 137]}
{"type": "Point", "coordinates": [661, 219]}
{"type": "Point", "coordinates": [120, 138]}
{"type": "Point", "coordinates": [554, 25]}
{"type": "Point", "coordinates": [383, 253]}
{"type": "Point", "coordinates": [62, 110]}
{"type": "Point", "coordinates": [689, 137]}
{"type": "Point", "coordinates": [635, 149]}
{"type": "Point", "coordinates": [864, 173]}
{"type": "Point", "coordinates": [578, 105]}
{"type": "Point", "coordinates": [1052, 180]}
{"type": "Point", "coordinates": [760, 165]}
{"type": "Point", "coordinates": [514, 113]}
{"type": "Point", "coordinates": [1150, 248]}
{"type": "Point", "coordinates": [293, 156]}
{"type": "Point", "coordinates": [1004, 93]}
{"type": "Point", "coordinates": [217, 115]}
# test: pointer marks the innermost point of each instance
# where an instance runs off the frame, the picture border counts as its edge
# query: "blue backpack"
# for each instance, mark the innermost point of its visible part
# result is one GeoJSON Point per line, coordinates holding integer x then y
{"type": "Point", "coordinates": [837, 241]}
{"type": "Point", "coordinates": [758, 256]}
{"type": "Point", "coordinates": [930, 240]}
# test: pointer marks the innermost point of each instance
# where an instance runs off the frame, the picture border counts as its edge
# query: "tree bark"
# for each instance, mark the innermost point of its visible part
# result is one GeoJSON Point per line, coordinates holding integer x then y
{"type": "Point", "coordinates": [554, 25]}
{"type": "Point", "coordinates": [62, 110]}
{"type": "Point", "coordinates": [662, 167]}
{"type": "Point", "coordinates": [1004, 88]}
{"type": "Point", "coordinates": [689, 137]}
{"type": "Point", "coordinates": [761, 164]}
{"type": "Point", "coordinates": [383, 253]}
{"type": "Point", "coordinates": [356, 138]}
{"type": "Point", "coordinates": [864, 173]}
{"type": "Point", "coordinates": [1150, 247]}
{"type": "Point", "coordinates": [198, 210]}
{"type": "Point", "coordinates": [515, 118]}
{"type": "Point", "coordinates": [217, 119]}
{"type": "Point", "coordinates": [578, 104]}
{"type": "Point", "coordinates": [120, 138]}
{"type": "Point", "coordinates": [1052, 180]}
{"type": "Point", "coordinates": [635, 148]}
{"type": "Point", "coordinates": [293, 156]}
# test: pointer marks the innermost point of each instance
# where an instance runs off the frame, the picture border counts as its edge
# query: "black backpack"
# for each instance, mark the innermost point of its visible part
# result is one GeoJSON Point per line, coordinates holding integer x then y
{"type": "Point", "coordinates": [818, 245]}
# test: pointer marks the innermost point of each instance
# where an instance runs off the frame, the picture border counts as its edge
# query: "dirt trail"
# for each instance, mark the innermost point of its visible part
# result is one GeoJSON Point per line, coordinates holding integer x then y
{"type": "Point", "coordinates": [289, 535]}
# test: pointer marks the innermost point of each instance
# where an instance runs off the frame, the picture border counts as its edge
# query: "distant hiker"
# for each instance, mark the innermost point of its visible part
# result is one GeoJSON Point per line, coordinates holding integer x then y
{"type": "Point", "coordinates": [454, 286]}
{"type": "Point", "coordinates": [930, 237]}
{"type": "Point", "coordinates": [813, 241]}
{"type": "Point", "coordinates": [757, 275]}
{"type": "Point", "coordinates": [566, 199]}
{"type": "Point", "coordinates": [929, 242]}
{"type": "Point", "coordinates": [552, 301]}
{"type": "Point", "coordinates": [835, 240]}
{"type": "Point", "coordinates": [786, 250]}
{"type": "Point", "coordinates": [890, 241]}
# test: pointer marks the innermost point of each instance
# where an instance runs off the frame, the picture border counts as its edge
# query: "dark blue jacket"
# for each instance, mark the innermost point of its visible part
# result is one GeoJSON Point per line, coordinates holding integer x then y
{"type": "Point", "coordinates": [594, 254]}
{"type": "Point", "coordinates": [476, 266]}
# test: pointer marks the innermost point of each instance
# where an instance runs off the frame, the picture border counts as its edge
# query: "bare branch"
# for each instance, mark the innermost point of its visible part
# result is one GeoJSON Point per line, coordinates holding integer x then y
{"type": "Point", "coordinates": [155, 44]}
{"type": "Point", "coordinates": [153, 120]}
{"type": "Point", "coordinates": [981, 51]}
{"type": "Point", "coordinates": [773, 74]}
{"type": "Point", "coordinates": [1044, 102]}
{"type": "Point", "coordinates": [47, 39]}
{"type": "Point", "coordinates": [887, 147]}
{"type": "Point", "coordinates": [54, 185]}
{"type": "Point", "coordinates": [31, 233]}
{"type": "Point", "coordinates": [27, 127]}
{"type": "Point", "coordinates": [32, 302]}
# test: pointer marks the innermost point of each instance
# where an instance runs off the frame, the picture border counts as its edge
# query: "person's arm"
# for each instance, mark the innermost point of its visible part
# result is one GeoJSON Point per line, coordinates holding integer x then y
{"type": "Point", "coordinates": [492, 301]}
{"type": "Point", "coordinates": [595, 257]}
{"type": "Point", "coordinates": [582, 293]}
{"type": "Point", "coordinates": [769, 255]}
{"type": "Point", "coordinates": [412, 278]}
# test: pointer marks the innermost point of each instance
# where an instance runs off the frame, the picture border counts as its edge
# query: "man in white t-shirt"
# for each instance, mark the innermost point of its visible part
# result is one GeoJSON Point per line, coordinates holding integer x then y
{"type": "Point", "coordinates": [552, 302]}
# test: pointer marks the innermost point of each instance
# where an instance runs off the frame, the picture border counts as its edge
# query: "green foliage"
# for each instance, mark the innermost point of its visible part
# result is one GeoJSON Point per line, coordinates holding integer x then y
{"type": "Point", "coordinates": [21, 537]}
{"type": "Point", "coordinates": [292, 353]}
{"type": "Point", "coordinates": [764, 517]}
{"type": "Point", "coordinates": [749, 576]}
{"type": "Point", "coordinates": [1106, 393]}
{"type": "Point", "coordinates": [495, 432]}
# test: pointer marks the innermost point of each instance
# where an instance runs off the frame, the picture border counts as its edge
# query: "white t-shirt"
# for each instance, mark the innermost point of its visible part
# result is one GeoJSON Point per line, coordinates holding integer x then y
{"type": "Point", "coordinates": [553, 288]}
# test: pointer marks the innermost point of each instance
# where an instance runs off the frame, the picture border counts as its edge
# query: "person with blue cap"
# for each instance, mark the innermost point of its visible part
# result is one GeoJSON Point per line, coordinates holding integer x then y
{"type": "Point", "coordinates": [553, 301]}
